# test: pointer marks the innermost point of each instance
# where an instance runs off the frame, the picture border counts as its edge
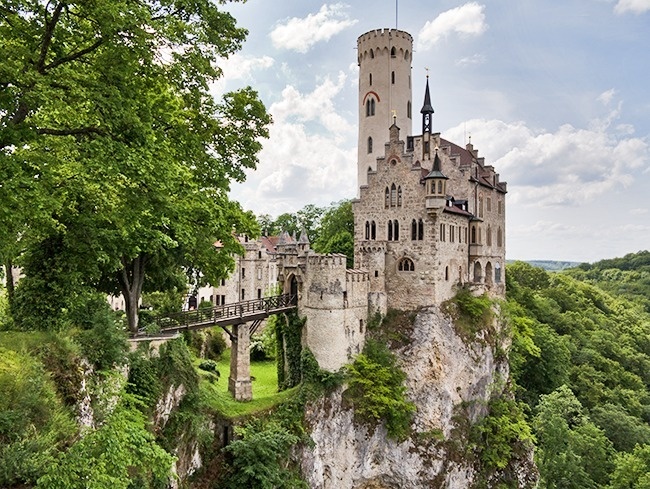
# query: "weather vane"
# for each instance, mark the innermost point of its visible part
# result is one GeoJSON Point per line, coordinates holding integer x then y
{"type": "Point", "coordinates": [427, 69]}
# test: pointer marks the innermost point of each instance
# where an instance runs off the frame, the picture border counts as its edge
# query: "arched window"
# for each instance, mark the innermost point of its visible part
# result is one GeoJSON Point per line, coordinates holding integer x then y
{"type": "Point", "coordinates": [497, 273]}
{"type": "Point", "coordinates": [451, 233]}
{"type": "Point", "coordinates": [369, 145]}
{"type": "Point", "coordinates": [367, 230]}
{"type": "Point", "coordinates": [396, 230]}
{"type": "Point", "coordinates": [406, 265]}
{"type": "Point", "coordinates": [408, 109]}
{"type": "Point", "coordinates": [393, 195]}
{"type": "Point", "coordinates": [399, 196]}
{"type": "Point", "coordinates": [392, 78]}
{"type": "Point", "coordinates": [488, 236]}
{"type": "Point", "coordinates": [390, 230]}
{"type": "Point", "coordinates": [414, 230]}
{"type": "Point", "coordinates": [372, 54]}
{"type": "Point", "coordinates": [477, 272]}
{"type": "Point", "coordinates": [367, 108]}
{"type": "Point", "coordinates": [372, 106]}
{"type": "Point", "coordinates": [406, 55]}
{"type": "Point", "coordinates": [392, 52]}
{"type": "Point", "coordinates": [420, 230]}
{"type": "Point", "coordinates": [387, 199]}
{"type": "Point", "coordinates": [473, 234]}
{"type": "Point", "coordinates": [370, 78]}
{"type": "Point", "coordinates": [488, 273]}
{"type": "Point", "coordinates": [440, 187]}
{"type": "Point", "coordinates": [373, 230]}
{"type": "Point", "coordinates": [480, 207]}
{"type": "Point", "coordinates": [442, 232]}
{"type": "Point", "coordinates": [499, 238]}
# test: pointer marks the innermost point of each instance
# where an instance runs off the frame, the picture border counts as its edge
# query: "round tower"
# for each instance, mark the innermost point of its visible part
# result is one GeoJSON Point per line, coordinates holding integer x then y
{"type": "Point", "coordinates": [384, 57]}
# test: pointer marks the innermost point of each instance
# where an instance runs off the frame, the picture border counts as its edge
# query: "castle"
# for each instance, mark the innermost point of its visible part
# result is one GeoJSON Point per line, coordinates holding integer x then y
{"type": "Point", "coordinates": [430, 216]}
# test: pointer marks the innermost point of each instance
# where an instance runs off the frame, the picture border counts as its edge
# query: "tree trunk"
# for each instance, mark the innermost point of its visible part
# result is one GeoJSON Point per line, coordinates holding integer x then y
{"type": "Point", "coordinates": [9, 273]}
{"type": "Point", "coordinates": [131, 278]}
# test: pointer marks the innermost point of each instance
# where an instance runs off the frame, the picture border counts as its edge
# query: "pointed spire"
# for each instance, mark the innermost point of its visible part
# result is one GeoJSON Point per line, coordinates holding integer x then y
{"type": "Point", "coordinates": [436, 171]}
{"type": "Point", "coordinates": [427, 108]}
{"type": "Point", "coordinates": [304, 239]}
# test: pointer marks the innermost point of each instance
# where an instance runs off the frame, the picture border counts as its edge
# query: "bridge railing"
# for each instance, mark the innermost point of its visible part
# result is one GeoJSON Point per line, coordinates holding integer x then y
{"type": "Point", "coordinates": [225, 312]}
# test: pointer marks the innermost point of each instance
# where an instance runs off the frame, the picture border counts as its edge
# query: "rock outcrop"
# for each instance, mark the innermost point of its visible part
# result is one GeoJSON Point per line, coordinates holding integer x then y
{"type": "Point", "coordinates": [450, 380]}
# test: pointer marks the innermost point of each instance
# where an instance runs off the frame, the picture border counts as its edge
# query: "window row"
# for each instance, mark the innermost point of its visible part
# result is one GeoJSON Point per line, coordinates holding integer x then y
{"type": "Point", "coordinates": [478, 239]}
{"type": "Point", "coordinates": [371, 105]}
{"type": "Point", "coordinates": [488, 206]}
{"type": "Point", "coordinates": [452, 233]}
{"type": "Point", "coordinates": [393, 196]}
{"type": "Point", "coordinates": [393, 53]}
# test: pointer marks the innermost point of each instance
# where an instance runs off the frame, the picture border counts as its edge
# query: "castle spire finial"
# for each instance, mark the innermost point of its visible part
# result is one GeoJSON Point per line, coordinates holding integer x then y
{"type": "Point", "coordinates": [427, 110]}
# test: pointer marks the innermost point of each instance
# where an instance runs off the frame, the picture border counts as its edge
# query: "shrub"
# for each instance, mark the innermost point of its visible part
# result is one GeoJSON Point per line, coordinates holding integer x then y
{"type": "Point", "coordinates": [377, 392]}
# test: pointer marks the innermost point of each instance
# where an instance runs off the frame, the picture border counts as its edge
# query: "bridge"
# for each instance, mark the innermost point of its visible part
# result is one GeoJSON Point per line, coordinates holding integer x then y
{"type": "Point", "coordinates": [238, 316]}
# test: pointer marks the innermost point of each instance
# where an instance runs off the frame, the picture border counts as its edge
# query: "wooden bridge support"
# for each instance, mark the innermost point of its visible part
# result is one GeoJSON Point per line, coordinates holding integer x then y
{"type": "Point", "coordinates": [239, 382]}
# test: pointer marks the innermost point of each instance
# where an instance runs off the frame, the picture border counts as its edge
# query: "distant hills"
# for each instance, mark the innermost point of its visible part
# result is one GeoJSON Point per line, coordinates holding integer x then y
{"type": "Point", "coordinates": [550, 265]}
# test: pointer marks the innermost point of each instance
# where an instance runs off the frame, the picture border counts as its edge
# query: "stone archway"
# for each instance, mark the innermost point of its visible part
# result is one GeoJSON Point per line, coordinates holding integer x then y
{"type": "Point", "coordinates": [488, 273]}
{"type": "Point", "coordinates": [478, 272]}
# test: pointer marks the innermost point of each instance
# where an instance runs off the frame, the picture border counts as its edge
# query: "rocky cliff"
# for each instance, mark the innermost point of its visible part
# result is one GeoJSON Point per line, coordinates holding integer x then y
{"type": "Point", "coordinates": [451, 379]}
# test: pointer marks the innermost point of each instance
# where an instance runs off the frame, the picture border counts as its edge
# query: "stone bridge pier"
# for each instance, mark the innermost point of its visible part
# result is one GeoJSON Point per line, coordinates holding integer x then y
{"type": "Point", "coordinates": [239, 381]}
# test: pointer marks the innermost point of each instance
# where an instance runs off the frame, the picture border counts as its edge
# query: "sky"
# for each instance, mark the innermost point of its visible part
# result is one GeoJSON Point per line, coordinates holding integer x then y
{"type": "Point", "coordinates": [555, 95]}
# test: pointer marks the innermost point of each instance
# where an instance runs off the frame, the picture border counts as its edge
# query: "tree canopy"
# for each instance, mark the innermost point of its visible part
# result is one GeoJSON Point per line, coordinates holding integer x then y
{"type": "Point", "coordinates": [112, 146]}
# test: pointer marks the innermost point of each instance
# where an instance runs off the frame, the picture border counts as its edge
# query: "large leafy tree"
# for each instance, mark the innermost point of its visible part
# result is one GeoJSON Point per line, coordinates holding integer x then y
{"type": "Point", "coordinates": [114, 145]}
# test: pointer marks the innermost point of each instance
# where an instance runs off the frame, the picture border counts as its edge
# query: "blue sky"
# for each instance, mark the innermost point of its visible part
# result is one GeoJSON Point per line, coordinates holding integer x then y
{"type": "Point", "coordinates": [554, 94]}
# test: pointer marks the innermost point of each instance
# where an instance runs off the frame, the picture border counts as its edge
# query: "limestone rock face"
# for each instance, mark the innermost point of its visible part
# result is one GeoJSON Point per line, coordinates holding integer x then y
{"type": "Point", "coordinates": [443, 372]}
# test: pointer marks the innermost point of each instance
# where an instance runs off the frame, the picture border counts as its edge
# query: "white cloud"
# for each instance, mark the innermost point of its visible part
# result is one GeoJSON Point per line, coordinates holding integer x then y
{"type": "Point", "coordinates": [607, 96]}
{"type": "Point", "coordinates": [310, 156]}
{"type": "Point", "coordinates": [476, 59]}
{"type": "Point", "coordinates": [301, 34]}
{"type": "Point", "coordinates": [568, 166]}
{"type": "Point", "coordinates": [239, 67]}
{"type": "Point", "coordinates": [466, 20]}
{"type": "Point", "coordinates": [634, 6]}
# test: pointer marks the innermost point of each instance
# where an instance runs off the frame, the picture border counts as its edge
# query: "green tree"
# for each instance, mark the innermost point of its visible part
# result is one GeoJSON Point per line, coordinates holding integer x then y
{"type": "Point", "coordinates": [572, 452]}
{"type": "Point", "coordinates": [336, 232]}
{"type": "Point", "coordinates": [632, 470]}
{"type": "Point", "coordinates": [109, 133]}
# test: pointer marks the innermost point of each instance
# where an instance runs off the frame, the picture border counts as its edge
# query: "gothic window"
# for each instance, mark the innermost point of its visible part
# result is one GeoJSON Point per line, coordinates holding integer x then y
{"type": "Point", "coordinates": [442, 232]}
{"type": "Point", "coordinates": [478, 272]}
{"type": "Point", "coordinates": [480, 207]}
{"type": "Point", "coordinates": [440, 187]}
{"type": "Point", "coordinates": [373, 230]}
{"type": "Point", "coordinates": [488, 204]}
{"type": "Point", "coordinates": [399, 196]}
{"type": "Point", "coordinates": [473, 234]}
{"type": "Point", "coordinates": [369, 145]}
{"type": "Point", "coordinates": [390, 230]}
{"type": "Point", "coordinates": [392, 52]}
{"type": "Point", "coordinates": [480, 235]}
{"type": "Point", "coordinates": [414, 230]}
{"type": "Point", "coordinates": [465, 235]}
{"type": "Point", "coordinates": [500, 207]}
{"type": "Point", "coordinates": [387, 199]}
{"type": "Point", "coordinates": [396, 230]}
{"type": "Point", "coordinates": [406, 56]}
{"type": "Point", "coordinates": [370, 107]}
{"type": "Point", "coordinates": [408, 109]}
{"type": "Point", "coordinates": [451, 234]}
{"type": "Point", "coordinates": [372, 53]}
{"type": "Point", "coordinates": [497, 273]}
{"type": "Point", "coordinates": [392, 78]}
{"type": "Point", "coordinates": [499, 238]}
{"type": "Point", "coordinates": [488, 236]}
{"type": "Point", "coordinates": [393, 195]}
{"type": "Point", "coordinates": [406, 265]}
{"type": "Point", "coordinates": [420, 230]}
{"type": "Point", "coordinates": [367, 230]}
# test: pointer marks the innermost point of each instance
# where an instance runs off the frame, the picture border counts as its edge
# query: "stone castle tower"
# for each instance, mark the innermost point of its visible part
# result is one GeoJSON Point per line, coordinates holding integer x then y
{"type": "Point", "coordinates": [384, 57]}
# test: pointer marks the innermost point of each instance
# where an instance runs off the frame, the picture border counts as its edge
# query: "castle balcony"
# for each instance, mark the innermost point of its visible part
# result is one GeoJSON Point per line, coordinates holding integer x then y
{"type": "Point", "coordinates": [475, 250]}
{"type": "Point", "coordinates": [435, 202]}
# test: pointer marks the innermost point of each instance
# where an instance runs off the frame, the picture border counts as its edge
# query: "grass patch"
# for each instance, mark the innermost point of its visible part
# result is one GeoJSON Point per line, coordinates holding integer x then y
{"type": "Point", "coordinates": [265, 389]}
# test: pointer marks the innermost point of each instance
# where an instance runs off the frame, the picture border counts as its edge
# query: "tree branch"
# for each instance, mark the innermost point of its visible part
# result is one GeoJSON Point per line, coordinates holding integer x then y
{"type": "Point", "coordinates": [74, 56]}
{"type": "Point", "coordinates": [47, 37]}
{"type": "Point", "coordinates": [80, 131]}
